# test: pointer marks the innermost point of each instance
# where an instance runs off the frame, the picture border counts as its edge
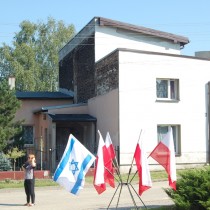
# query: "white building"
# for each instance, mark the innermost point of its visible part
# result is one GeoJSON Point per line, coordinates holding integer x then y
{"type": "Point", "coordinates": [142, 82]}
{"type": "Point", "coordinates": [130, 78]}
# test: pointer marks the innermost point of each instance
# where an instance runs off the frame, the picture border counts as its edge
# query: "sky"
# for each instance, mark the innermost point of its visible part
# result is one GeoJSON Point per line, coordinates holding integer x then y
{"type": "Point", "coordinates": [189, 18]}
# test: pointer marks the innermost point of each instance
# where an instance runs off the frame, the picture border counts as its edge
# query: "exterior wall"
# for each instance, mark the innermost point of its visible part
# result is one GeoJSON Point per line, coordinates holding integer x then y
{"type": "Point", "coordinates": [66, 73]}
{"type": "Point", "coordinates": [41, 124]}
{"type": "Point", "coordinates": [208, 128]}
{"type": "Point", "coordinates": [105, 109]}
{"type": "Point", "coordinates": [78, 39]}
{"type": "Point", "coordinates": [29, 106]}
{"type": "Point", "coordinates": [106, 78]}
{"type": "Point", "coordinates": [138, 108]}
{"type": "Point", "coordinates": [77, 71]}
{"type": "Point", "coordinates": [109, 39]}
{"type": "Point", "coordinates": [41, 140]}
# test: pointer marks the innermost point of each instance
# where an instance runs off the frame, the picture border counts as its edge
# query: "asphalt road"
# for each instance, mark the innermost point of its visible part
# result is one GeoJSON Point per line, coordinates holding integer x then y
{"type": "Point", "coordinates": [57, 198]}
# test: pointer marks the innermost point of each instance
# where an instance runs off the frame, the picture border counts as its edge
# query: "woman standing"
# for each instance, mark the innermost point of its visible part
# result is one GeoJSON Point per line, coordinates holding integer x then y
{"type": "Point", "coordinates": [29, 182]}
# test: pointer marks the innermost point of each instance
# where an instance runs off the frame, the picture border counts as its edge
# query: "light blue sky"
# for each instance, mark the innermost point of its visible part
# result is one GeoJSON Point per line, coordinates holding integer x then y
{"type": "Point", "coordinates": [190, 18]}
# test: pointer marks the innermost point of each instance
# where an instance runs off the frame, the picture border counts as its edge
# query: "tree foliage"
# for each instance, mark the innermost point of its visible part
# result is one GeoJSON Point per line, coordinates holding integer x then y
{"type": "Point", "coordinates": [5, 164]}
{"type": "Point", "coordinates": [33, 58]}
{"type": "Point", "coordinates": [8, 107]}
{"type": "Point", "coordinates": [14, 154]}
{"type": "Point", "coordinates": [193, 190]}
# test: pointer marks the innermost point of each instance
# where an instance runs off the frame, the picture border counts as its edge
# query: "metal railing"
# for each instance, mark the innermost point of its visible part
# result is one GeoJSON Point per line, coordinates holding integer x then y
{"type": "Point", "coordinates": [44, 158]}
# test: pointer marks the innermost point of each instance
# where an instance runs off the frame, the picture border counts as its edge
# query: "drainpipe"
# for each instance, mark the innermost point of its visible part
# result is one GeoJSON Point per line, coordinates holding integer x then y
{"type": "Point", "coordinates": [209, 120]}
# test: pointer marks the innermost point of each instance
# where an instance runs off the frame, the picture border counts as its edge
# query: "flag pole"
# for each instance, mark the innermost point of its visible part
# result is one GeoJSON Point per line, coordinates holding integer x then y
{"type": "Point", "coordinates": [111, 173]}
{"type": "Point", "coordinates": [133, 176]}
{"type": "Point", "coordinates": [133, 158]}
{"type": "Point", "coordinates": [117, 168]}
{"type": "Point", "coordinates": [128, 184]}
{"type": "Point", "coordinates": [114, 160]}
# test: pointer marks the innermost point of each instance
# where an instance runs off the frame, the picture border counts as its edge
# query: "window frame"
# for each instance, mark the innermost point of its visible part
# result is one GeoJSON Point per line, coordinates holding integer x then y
{"type": "Point", "coordinates": [176, 136]}
{"type": "Point", "coordinates": [169, 97]}
{"type": "Point", "coordinates": [27, 143]}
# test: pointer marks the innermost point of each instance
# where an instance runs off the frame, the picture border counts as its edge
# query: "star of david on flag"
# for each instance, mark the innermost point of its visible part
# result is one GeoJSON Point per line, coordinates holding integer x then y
{"type": "Point", "coordinates": [73, 166]}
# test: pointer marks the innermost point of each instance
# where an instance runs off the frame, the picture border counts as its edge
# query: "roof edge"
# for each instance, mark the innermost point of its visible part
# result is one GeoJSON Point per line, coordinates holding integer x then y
{"type": "Point", "coordinates": [47, 108]}
{"type": "Point", "coordinates": [151, 53]}
{"type": "Point", "coordinates": [140, 29]}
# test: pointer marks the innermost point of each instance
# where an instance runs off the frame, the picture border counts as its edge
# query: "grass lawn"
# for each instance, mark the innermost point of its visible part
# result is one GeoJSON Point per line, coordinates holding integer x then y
{"type": "Point", "coordinates": [19, 183]}
{"type": "Point", "coordinates": [8, 183]}
{"type": "Point", "coordinates": [155, 175]}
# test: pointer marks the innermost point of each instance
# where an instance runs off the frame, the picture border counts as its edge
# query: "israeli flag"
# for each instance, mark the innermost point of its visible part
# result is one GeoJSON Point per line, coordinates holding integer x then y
{"type": "Point", "coordinates": [74, 164]}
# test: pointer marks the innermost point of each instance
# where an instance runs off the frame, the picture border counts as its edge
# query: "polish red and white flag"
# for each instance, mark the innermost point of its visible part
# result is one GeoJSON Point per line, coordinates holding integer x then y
{"type": "Point", "coordinates": [164, 154]}
{"type": "Point", "coordinates": [110, 146]}
{"type": "Point", "coordinates": [102, 173]}
{"type": "Point", "coordinates": [143, 168]}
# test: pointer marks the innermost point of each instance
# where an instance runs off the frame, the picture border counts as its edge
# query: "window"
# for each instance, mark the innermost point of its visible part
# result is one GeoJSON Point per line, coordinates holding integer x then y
{"type": "Point", "coordinates": [167, 89]}
{"type": "Point", "coordinates": [44, 116]}
{"type": "Point", "coordinates": [28, 134]}
{"type": "Point", "coordinates": [162, 130]}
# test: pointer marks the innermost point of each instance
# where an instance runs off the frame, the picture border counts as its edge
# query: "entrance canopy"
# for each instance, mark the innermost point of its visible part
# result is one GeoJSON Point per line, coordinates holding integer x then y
{"type": "Point", "coordinates": [72, 118]}
{"type": "Point", "coordinates": [82, 126]}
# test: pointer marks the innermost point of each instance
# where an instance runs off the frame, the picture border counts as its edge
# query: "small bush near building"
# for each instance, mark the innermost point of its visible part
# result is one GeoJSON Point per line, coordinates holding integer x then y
{"type": "Point", "coordinates": [193, 190]}
{"type": "Point", "coordinates": [5, 164]}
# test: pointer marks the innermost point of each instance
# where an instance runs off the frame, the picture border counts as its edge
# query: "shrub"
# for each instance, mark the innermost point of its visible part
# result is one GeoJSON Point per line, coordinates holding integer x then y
{"type": "Point", "coordinates": [5, 164]}
{"type": "Point", "coordinates": [193, 190]}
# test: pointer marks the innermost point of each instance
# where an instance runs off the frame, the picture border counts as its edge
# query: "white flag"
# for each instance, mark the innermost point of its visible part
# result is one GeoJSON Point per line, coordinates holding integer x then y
{"type": "Point", "coordinates": [99, 179]}
{"type": "Point", "coordinates": [73, 166]}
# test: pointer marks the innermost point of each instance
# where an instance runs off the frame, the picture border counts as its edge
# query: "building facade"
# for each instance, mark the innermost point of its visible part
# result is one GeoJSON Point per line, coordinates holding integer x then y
{"type": "Point", "coordinates": [126, 79]}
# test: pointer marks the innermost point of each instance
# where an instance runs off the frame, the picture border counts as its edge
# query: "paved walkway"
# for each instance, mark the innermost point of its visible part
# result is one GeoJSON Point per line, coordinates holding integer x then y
{"type": "Point", "coordinates": [57, 198]}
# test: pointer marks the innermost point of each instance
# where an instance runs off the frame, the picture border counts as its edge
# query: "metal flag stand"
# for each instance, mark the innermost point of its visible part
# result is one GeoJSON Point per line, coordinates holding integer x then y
{"type": "Point", "coordinates": [129, 186]}
{"type": "Point", "coordinates": [127, 183]}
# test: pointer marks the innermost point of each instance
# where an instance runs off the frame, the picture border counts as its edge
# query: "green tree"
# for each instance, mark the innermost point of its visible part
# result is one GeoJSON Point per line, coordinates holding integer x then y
{"type": "Point", "coordinates": [14, 154]}
{"type": "Point", "coordinates": [8, 107]}
{"type": "Point", "coordinates": [193, 190]}
{"type": "Point", "coordinates": [33, 58]}
{"type": "Point", "coordinates": [5, 164]}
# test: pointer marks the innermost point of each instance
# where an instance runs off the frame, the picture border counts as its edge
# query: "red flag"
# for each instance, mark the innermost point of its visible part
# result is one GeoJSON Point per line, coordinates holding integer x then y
{"type": "Point", "coordinates": [143, 169]}
{"type": "Point", "coordinates": [164, 154]}
{"type": "Point", "coordinates": [103, 162]}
